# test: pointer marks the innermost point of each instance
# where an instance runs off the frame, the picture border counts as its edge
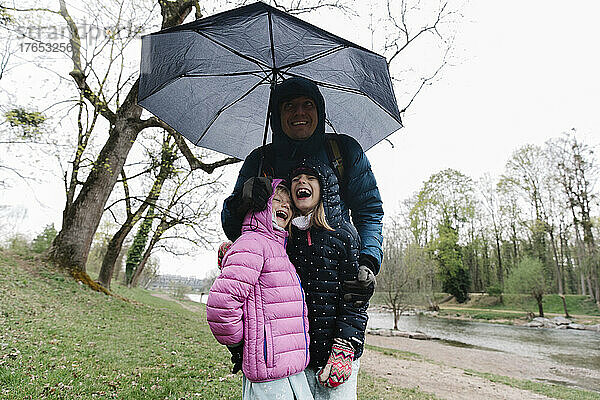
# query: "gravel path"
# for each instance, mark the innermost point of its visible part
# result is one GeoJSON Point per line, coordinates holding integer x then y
{"type": "Point", "coordinates": [442, 370]}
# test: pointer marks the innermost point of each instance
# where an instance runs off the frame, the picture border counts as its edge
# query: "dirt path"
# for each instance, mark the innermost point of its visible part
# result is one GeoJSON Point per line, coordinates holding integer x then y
{"type": "Point", "coordinates": [189, 307]}
{"type": "Point", "coordinates": [442, 371]}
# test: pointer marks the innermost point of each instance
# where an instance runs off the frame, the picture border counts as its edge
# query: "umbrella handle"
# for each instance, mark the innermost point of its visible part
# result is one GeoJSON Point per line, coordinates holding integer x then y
{"type": "Point", "coordinates": [267, 120]}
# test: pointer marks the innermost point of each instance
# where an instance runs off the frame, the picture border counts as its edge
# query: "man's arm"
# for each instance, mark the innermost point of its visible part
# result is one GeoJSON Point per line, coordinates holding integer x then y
{"type": "Point", "coordinates": [363, 199]}
{"type": "Point", "coordinates": [230, 220]}
{"type": "Point", "coordinates": [351, 321]}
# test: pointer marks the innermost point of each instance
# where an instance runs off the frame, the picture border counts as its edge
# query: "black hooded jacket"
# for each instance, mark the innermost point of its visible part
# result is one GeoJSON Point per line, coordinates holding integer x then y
{"type": "Point", "coordinates": [323, 260]}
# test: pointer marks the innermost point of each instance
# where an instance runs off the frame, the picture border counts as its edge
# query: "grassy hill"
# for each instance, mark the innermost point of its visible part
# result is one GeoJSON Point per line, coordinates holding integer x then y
{"type": "Point", "coordinates": [61, 340]}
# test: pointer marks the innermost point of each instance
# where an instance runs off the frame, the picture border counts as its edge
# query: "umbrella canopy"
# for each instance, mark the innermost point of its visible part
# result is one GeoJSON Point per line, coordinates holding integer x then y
{"type": "Point", "coordinates": [211, 79]}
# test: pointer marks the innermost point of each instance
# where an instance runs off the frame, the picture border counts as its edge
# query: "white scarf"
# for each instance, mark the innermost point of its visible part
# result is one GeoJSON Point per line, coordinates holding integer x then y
{"type": "Point", "coordinates": [302, 222]}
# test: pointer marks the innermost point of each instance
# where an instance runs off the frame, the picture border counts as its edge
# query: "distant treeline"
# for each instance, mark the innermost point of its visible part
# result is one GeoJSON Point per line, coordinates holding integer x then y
{"type": "Point", "coordinates": [536, 225]}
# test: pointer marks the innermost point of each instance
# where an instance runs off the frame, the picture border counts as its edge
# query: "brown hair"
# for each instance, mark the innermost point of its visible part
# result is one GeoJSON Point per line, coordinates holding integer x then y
{"type": "Point", "coordinates": [318, 217]}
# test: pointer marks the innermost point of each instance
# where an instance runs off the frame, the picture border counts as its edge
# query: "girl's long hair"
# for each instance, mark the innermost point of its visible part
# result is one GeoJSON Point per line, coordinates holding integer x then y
{"type": "Point", "coordinates": [318, 218]}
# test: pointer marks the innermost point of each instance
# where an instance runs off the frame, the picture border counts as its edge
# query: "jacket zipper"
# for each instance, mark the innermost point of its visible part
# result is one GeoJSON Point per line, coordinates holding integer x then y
{"type": "Point", "coordinates": [303, 322]}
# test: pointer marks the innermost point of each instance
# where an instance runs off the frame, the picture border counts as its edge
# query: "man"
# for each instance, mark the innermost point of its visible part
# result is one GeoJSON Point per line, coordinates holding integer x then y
{"type": "Point", "coordinates": [298, 126]}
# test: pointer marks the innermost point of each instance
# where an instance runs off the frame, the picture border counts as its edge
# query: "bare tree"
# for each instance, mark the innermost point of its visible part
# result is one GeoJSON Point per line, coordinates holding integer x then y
{"type": "Point", "coordinates": [165, 167]}
{"type": "Point", "coordinates": [491, 203]}
{"type": "Point", "coordinates": [186, 215]}
{"type": "Point", "coordinates": [414, 23]}
{"type": "Point", "coordinates": [407, 273]}
{"type": "Point", "coordinates": [576, 173]}
{"type": "Point", "coordinates": [83, 212]}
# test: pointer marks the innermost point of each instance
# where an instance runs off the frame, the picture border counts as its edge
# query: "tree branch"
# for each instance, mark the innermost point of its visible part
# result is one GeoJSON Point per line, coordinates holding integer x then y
{"type": "Point", "coordinates": [193, 161]}
{"type": "Point", "coordinates": [77, 73]}
{"type": "Point", "coordinates": [174, 12]}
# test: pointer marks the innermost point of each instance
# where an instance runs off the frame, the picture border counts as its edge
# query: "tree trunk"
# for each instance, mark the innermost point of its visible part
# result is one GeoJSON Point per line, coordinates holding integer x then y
{"type": "Point", "coordinates": [163, 226]}
{"type": "Point", "coordinates": [500, 270]}
{"type": "Point", "coordinates": [557, 263]}
{"type": "Point", "coordinates": [114, 250]}
{"type": "Point", "coordinates": [590, 288]}
{"type": "Point", "coordinates": [70, 248]}
{"type": "Point", "coordinates": [597, 291]}
{"type": "Point", "coordinates": [564, 301]}
{"type": "Point", "coordinates": [540, 305]}
{"type": "Point", "coordinates": [140, 268]}
{"type": "Point", "coordinates": [116, 243]}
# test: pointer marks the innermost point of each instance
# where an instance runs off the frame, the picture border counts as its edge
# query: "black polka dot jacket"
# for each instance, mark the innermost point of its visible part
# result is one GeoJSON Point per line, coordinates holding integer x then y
{"type": "Point", "coordinates": [323, 260]}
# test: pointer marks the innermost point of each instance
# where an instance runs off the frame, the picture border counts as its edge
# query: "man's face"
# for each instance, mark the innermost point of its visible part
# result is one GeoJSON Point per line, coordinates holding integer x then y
{"type": "Point", "coordinates": [299, 117]}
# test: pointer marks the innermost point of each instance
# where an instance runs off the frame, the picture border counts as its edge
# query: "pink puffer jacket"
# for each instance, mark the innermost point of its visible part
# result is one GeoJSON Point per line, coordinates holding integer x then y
{"type": "Point", "coordinates": [258, 298]}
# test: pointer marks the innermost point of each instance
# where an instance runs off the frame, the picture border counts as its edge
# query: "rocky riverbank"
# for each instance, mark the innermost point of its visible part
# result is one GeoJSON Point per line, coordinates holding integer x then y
{"type": "Point", "coordinates": [560, 323]}
{"type": "Point", "coordinates": [450, 372]}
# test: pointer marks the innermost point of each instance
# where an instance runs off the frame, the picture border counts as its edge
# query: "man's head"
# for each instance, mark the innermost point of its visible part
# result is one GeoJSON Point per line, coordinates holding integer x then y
{"type": "Point", "coordinates": [298, 117]}
{"type": "Point", "coordinates": [297, 109]}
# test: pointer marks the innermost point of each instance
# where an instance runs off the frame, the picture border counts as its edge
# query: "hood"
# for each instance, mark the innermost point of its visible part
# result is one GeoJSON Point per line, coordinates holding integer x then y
{"type": "Point", "coordinates": [288, 89]}
{"type": "Point", "coordinates": [330, 190]}
{"type": "Point", "coordinates": [262, 221]}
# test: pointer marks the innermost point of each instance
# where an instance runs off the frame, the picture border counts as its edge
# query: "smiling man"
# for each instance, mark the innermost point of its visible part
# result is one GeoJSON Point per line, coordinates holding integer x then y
{"type": "Point", "coordinates": [298, 126]}
{"type": "Point", "coordinates": [298, 117]}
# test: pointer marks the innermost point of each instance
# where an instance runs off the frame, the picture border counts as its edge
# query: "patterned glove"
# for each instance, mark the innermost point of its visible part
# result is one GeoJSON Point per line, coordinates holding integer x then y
{"type": "Point", "coordinates": [221, 253]}
{"type": "Point", "coordinates": [339, 366]}
{"type": "Point", "coordinates": [237, 356]}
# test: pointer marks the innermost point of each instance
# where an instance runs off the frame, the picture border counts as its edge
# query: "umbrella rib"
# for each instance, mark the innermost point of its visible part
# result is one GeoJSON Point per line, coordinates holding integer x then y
{"type": "Point", "coordinates": [315, 57]}
{"type": "Point", "coordinates": [260, 64]}
{"type": "Point", "coordinates": [218, 113]}
{"type": "Point", "coordinates": [357, 92]}
{"type": "Point", "coordinates": [258, 74]}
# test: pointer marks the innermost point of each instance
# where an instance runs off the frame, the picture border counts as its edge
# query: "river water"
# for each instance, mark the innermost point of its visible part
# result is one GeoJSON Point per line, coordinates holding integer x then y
{"type": "Point", "coordinates": [566, 346]}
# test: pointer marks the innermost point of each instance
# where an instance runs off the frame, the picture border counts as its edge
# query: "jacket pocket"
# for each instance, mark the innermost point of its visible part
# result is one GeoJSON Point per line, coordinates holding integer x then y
{"type": "Point", "coordinates": [268, 346]}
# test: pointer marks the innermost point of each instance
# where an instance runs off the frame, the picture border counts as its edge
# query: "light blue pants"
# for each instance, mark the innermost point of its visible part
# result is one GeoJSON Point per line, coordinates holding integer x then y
{"type": "Point", "coordinates": [346, 391]}
{"type": "Point", "coordinates": [294, 387]}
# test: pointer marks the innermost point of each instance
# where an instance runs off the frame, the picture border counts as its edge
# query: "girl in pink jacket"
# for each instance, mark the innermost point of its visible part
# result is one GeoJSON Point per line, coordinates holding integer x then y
{"type": "Point", "coordinates": [257, 305]}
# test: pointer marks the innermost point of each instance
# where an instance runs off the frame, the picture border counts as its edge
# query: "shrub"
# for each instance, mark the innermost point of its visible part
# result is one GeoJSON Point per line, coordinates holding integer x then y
{"type": "Point", "coordinates": [495, 290]}
{"type": "Point", "coordinates": [43, 241]}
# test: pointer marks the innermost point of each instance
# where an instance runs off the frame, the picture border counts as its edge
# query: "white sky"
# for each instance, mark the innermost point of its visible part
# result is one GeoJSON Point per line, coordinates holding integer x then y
{"type": "Point", "coordinates": [529, 71]}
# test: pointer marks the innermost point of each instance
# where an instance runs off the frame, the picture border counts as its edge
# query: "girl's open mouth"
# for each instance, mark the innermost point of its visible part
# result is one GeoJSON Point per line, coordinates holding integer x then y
{"type": "Point", "coordinates": [281, 214]}
{"type": "Point", "coordinates": [303, 193]}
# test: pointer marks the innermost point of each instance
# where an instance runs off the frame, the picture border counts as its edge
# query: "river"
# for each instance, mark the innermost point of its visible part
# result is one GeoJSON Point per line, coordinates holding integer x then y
{"type": "Point", "coordinates": [566, 346]}
{"type": "Point", "coordinates": [569, 347]}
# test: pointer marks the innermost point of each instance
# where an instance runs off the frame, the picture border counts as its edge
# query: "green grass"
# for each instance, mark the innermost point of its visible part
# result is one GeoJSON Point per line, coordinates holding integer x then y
{"type": "Point", "coordinates": [374, 388]}
{"type": "Point", "coordinates": [493, 316]}
{"type": "Point", "coordinates": [576, 305]}
{"type": "Point", "coordinates": [546, 389]}
{"type": "Point", "coordinates": [399, 354]}
{"type": "Point", "coordinates": [549, 390]}
{"type": "Point", "coordinates": [61, 340]}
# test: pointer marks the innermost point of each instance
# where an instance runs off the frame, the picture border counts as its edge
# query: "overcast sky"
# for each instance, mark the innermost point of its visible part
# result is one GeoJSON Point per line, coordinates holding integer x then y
{"type": "Point", "coordinates": [528, 71]}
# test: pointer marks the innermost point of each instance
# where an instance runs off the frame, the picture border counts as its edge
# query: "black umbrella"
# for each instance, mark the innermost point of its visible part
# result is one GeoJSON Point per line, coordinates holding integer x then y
{"type": "Point", "coordinates": [210, 79]}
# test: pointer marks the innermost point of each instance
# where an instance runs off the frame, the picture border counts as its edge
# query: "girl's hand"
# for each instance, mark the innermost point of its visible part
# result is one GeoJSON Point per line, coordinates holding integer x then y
{"type": "Point", "coordinates": [339, 365]}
